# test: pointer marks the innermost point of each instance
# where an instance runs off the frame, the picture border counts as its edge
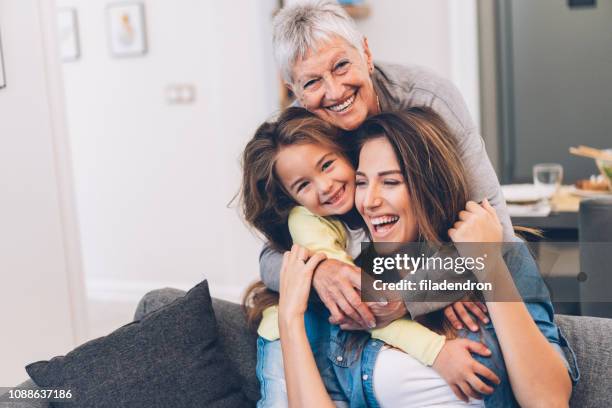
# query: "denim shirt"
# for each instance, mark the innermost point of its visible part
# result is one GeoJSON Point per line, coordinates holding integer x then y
{"type": "Point", "coordinates": [353, 355]}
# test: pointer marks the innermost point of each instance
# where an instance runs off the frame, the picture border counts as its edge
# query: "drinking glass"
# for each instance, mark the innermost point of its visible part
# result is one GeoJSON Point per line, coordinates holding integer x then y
{"type": "Point", "coordinates": [547, 177]}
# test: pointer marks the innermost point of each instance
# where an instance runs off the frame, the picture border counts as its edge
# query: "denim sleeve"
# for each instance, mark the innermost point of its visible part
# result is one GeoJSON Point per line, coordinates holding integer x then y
{"type": "Point", "coordinates": [542, 315]}
{"type": "Point", "coordinates": [525, 273]}
{"type": "Point", "coordinates": [526, 276]}
{"type": "Point", "coordinates": [270, 261]}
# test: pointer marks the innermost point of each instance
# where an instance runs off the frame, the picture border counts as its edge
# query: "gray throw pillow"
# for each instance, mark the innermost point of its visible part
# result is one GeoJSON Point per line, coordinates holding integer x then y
{"type": "Point", "coordinates": [171, 358]}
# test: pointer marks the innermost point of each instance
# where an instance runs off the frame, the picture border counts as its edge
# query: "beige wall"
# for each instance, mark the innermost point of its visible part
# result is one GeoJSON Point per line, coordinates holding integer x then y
{"type": "Point", "coordinates": [41, 303]}
{"type": "Point", "coordinates": [154, 179]}
{"type": "Point", "coordinates": [410, 32]}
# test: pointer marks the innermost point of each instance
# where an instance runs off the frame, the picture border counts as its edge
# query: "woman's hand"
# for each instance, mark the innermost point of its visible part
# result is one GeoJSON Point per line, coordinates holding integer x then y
{"type": "Point", "coordinates": [478, 234]}
{"type": "Point", "coordinates": [295, 281]}
{"type": "Point", "coordinates": [387, 312]}
{"type": "Point", "coordinates": [457, 314]}
{"type": "Point", "coordinates": [460, 370]}
{"type": "Point", "coordinates": [477, 223]}
{"type": "Point", "coordinates": [337, 284]}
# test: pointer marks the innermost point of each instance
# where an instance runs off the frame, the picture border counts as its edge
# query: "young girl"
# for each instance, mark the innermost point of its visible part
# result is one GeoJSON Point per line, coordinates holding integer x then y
{"type": "Point", "coordinates": [298, 187]}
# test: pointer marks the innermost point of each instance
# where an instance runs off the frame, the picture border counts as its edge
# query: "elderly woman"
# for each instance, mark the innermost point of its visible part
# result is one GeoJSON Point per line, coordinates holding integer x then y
{"type": "Point", "coordinates": [328, 65]}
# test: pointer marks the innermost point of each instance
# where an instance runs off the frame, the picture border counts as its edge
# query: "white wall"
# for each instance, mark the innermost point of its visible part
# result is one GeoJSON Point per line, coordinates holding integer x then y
{"type": "Point", "coordinates": [410, 32]}
{"type": "Point", "coordinates": [439, 34]}
{"type": "Point", "coordinates": [153, 179]}
{"type": "Point", "coordinates": [42, 298]}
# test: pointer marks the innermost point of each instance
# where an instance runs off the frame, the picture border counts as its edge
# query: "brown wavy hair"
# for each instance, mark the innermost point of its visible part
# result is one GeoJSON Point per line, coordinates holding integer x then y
{"type": "Point", "coordinates": [264, 201]}
{"type": "Point", "coordinates": [430, 164]}
{"type": "Point", "coordinates": [429, 160]}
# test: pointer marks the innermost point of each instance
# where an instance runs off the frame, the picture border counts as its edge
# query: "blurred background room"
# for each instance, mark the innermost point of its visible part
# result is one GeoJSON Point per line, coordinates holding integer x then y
{"type": "Point", "coordinates": [122, 125]}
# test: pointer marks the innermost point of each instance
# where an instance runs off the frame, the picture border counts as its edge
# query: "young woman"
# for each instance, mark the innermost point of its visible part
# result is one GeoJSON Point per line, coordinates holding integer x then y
{"type": "Point", "coordinates": [408, 170]}
{"type": "Point", "coordinates": [299, 187]}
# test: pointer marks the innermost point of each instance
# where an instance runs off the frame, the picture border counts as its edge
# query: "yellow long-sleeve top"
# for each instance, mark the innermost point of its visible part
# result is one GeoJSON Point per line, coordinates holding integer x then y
{"type": "Point", "coordinates": [329, 235]}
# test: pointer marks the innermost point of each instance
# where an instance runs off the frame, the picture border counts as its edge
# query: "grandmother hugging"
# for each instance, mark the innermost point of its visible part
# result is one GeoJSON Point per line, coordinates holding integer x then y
{"type": "Point", "coordinates": [381, 153]}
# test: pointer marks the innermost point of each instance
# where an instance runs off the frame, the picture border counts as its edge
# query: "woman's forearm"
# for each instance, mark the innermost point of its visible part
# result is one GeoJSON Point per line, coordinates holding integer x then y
{"type": "Point", "coordinates": [304, 384]}
{"type": "Point", "coordinates": [536, 371]}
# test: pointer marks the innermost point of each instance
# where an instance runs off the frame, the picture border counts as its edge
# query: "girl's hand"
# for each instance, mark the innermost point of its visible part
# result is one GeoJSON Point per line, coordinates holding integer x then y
{"type": "Point", "coordinates": [295, 281]}
{"type": "Point", "coordinates": [461, 371]}
{"type": "Point", "coordinates": [457, 314]}
{"type": "Point", "coordinates": [477, 223]}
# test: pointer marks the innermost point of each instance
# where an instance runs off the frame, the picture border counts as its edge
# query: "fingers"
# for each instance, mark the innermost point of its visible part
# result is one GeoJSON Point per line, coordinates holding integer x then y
{"type": "Point", "coordinates": [450, 314]}
{"type": "Point", "coordinates": [293, 254]}
{"type": "Point", "coordinates": [377, 308]}
{"type": "Point", "coordinates": [478, 348]}
{"type": "Point", "coordinates": [479, 386]}
{"type": "Point", "coordinates": [351, 326]}
{"type": "Point", "coordinates": [474, 207]}
{"type": "Point", "coordinates": [468, 390]}
{"type": "Point", "coordinates": [314, 261]}
{"type": "Point", "coordinates": [302, 253]}
{"type": "Point", "coordinates": [336, 315]}
{"type": "Point", "coordinates": [457, 391]}
{"type": "Point", "coordinates": [485, 372]}
{"type": "Point", "coordinates": [346, 307]}
{"type": "Point", "coordinates": [351, 295]}
{"type": "Point", "coordinates": [354, 276]}
{"type": "Point", "coordinates": [459, 224]}
{"type": "Point", "coordinates": [465, 316]}
{"type": "Point", "coordinates": [465, 215]}
{"type": "Point", "coordinates": [487, 206]}
{"type": "Point", "coordinates": [482, 306]}
{"type": "Point", "coordinates": [285, 260]}
{"type": "Point", "coordinates": [477, 310]}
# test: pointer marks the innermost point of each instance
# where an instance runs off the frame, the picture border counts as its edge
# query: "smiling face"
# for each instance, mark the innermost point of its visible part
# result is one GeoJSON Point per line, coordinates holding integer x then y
{"type": "Point", "coordinates": [334, 83]}
{"type": "Point", "coordinates": [317, 177]}
{"type": "Point", "coordinates": [381, 194]}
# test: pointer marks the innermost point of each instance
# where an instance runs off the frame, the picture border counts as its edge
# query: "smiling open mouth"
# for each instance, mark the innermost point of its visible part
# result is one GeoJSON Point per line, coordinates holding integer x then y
{"type": "Point", "coordinates": [336, 197]}
{"type": "Point", "coordinates": [341, 107]}
{"type": "Point", "coordinates": [384, 223]}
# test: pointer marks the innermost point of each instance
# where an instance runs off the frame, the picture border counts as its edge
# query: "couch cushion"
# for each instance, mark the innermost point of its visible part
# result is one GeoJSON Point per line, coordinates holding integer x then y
{"type": "Point", "coordinates": [171, 358]}
{"type": "Point", "coordinates": [240, 344]}
{"type": "Point", "coordinates": [237, 340]}
{"type": "Point", "coordinates": [591, 340]}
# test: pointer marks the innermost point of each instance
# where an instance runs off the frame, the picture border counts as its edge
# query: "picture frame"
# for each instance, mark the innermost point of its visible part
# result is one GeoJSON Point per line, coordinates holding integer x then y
{"type": "Point", "coordinates": [126, 29]}
{"type": "Point", "coordinates": [2, 76]}
{"type": "Point", "coordinates": [68, 33]}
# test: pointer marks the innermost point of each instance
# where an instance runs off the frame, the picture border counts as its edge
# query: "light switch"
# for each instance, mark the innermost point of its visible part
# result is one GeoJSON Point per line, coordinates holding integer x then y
{"type": "Point", "coordinates": [180, 94]}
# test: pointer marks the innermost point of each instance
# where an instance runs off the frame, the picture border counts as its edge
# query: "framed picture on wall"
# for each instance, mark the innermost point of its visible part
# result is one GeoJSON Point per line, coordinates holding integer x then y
{"type": "Point", "coordinates": [68, 34]}
{"type": "Point", "coordinates": [2, 77]}
{"type": "Point", "coordinates": [126, 29]}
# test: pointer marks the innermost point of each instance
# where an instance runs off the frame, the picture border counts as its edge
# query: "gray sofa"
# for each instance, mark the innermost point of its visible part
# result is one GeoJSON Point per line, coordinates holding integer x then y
{"type": "Point", "coordinates": [591, 339]}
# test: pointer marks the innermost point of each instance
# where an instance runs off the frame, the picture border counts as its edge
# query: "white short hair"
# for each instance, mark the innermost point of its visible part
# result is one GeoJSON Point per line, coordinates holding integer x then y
{"type": "Point", "coordinates": [299, 28]}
